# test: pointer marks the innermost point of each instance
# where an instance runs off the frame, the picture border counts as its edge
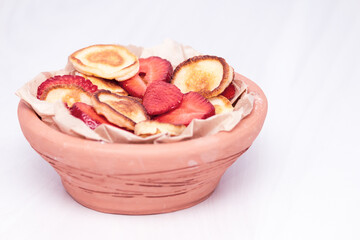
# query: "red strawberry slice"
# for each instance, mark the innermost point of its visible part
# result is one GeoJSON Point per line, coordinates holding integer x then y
{"type": "Point", "coordinates": [135, 86]}
{"type": "Point", "coordinates": [88, 115]}
{"type": "Point", "coordinates": [65, 80]}
{"type": "Point", "coordinates": [229, 92]}
{"type": "Point", "coordinates": [193, 106]}
{"type": "Point", "coordinates": [161, 97]}
{"type": "Point", "coordinates": [151, 69]}
{"type": "Point", "coordinates": [155, 69]}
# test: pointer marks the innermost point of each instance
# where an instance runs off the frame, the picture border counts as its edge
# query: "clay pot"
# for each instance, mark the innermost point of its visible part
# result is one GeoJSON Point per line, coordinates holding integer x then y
{"type": "Point", "coordinates": [142, 178]}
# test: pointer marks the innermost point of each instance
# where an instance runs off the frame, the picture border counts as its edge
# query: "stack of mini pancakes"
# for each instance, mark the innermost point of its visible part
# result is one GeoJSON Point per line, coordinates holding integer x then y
{"type": "Point", "coordinates": [108, 65]}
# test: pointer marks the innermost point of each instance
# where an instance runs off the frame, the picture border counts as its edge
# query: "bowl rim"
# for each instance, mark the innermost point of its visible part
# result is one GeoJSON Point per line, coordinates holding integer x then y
{"type": "Point", "coordinates": [249, 126]}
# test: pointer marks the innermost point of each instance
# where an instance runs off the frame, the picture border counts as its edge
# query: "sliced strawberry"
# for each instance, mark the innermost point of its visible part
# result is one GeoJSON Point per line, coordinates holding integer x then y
{"type": "Point", "coordinates": [65, 80]}
{"type": "Point", "coordinates": [135, 86]}
{"type": "Point", "coordinates": [88, 115]}
{"type": "Point", "coordinates": [161, 97]}
{"type": "Point", "coordinates": [151, 69]}
{"type": "Point", "coordinates": [155, 69]}
{"type": "Point", "coordinates": [193, 105]}
{"type": "Point", "coordinates": [229, 92]}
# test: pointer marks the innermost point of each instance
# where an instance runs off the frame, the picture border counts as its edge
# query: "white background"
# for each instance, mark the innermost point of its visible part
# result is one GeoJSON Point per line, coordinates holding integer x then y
{"type": "Point", "coordinates": [299, 180]}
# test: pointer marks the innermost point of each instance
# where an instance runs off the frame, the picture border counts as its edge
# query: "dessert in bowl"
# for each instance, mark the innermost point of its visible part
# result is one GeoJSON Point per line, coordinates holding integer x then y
{"type": "Point", "coordinates": [142, 178]}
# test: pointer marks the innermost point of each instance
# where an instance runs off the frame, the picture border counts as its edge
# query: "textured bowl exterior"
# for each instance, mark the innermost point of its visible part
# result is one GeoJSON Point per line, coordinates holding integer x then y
{"type": "Point", "coordinates": [142, 178]}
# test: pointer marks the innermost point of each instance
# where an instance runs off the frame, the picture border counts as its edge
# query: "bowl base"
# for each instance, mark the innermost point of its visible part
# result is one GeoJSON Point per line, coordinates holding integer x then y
{"type": "Point", "coordinates": [106, 204]}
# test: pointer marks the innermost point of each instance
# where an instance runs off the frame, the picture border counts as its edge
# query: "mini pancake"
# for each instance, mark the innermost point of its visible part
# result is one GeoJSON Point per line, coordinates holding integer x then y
{"type": "Point", "coordinates": [68, 94]}
{"type": "Point", "coordinates": [221, 104]}
{"type": "Point", "coordinates": [122, 111]}
{"type": "Point", "coordinates": [105, 84]}
{"type": "Point", "coordinates": [149, 128]}
{"type": "Point", "coordinates": [207, 75]}
{"type": "Point", "coordinates": [105, 61]}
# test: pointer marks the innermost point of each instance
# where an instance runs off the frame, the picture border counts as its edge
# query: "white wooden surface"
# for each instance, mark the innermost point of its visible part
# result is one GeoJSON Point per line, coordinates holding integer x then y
{"type": "Point", "coordinates": [300, 179]}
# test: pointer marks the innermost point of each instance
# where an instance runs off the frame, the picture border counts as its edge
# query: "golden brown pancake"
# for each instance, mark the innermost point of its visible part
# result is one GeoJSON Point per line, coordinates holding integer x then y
{"type": "Point", "coordinates": [122, 111]}
{"type": "Point", "coordinates": [102, 83]}
{"type": "Point", "coordinates": [207, 75]}
{"type": "Point", "coordinates": [150, 127]}
{"type": "Point", "coordinates": [221, 104]}
{"type": "Point", "coordinates": [67, 94]}
{"type": "Point", "coordinates": [105, 61]}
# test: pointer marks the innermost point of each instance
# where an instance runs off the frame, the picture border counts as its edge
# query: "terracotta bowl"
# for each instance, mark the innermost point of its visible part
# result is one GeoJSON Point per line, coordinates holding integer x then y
{"type": "Point", "coordinates": [142, 178]}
